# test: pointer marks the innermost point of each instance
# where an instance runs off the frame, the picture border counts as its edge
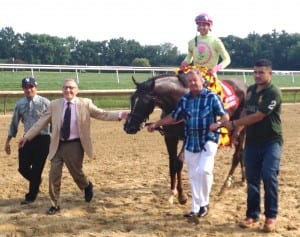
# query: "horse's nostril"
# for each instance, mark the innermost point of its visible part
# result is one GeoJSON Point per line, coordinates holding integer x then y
{"type": "Point", "coordinates": [130, 130]}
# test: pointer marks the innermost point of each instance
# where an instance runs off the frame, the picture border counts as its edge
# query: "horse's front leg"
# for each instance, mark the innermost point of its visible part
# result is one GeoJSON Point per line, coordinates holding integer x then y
{"type": "Point", "coordinates": [175, 169]}
{"type": "Point", "coordinates": [182, 197]}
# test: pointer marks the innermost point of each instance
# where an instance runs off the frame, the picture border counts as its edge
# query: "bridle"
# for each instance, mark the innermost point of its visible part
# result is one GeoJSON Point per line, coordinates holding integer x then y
{"type": "Point", "coordinates": [142, 118]}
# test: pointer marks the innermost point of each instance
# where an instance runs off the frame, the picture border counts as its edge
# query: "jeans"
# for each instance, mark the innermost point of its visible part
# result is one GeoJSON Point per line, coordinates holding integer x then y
{"type": "Point", "coordinates": [262, 163]}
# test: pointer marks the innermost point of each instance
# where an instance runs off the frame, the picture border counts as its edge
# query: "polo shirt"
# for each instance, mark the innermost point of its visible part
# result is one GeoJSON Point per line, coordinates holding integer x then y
{"type": "Point", "coordinates": [267, 101]}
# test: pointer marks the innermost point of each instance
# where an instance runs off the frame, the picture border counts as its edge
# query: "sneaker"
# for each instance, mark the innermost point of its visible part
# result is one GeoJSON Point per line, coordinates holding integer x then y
{"type": "Point", "coordinates": [248, 222]}
{"type": "Point", "coordinates": [26, 201]}
{"type": "Point", "coordinates": [189, 215]}
{"type": "Point", "coordinates": [88, 192]}
{"type": "Point", "coordinates": [269, 225]}
{"type": "Point", "coordinates": [203, 211]}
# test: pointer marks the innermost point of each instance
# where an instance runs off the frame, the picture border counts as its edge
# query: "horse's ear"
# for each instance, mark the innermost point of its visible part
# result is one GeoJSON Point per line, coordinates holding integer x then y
{"type": "Point", "coordinates": [134, 81]}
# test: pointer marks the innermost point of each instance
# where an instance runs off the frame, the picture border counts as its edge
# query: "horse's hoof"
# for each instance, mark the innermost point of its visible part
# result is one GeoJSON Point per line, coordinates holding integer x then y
{"type": "Point", "coordinates": [229, 182]}
{"type": "Point", "coordinates": [173, 194]}
{"type": "Point", "coordinates": [182, 198]}
{"type": "Point", "coordinates": [171, 200]}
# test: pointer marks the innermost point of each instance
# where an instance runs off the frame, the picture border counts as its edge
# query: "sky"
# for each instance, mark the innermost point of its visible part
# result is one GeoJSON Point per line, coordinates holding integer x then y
{"type": "Point", "coordinates": [149, 22]}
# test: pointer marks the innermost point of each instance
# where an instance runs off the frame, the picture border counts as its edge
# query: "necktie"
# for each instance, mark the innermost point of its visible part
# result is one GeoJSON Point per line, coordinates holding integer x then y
{"type": "Point", "coordinates": [66, 123]}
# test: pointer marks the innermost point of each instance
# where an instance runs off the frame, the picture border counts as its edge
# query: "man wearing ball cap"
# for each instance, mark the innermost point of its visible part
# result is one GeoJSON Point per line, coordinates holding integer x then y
{"type": "Point", "coordinates": [33, 155]}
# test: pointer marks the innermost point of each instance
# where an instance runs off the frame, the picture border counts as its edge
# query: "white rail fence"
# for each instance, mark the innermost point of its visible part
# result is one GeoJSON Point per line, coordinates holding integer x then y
{"type": "Point", "coordinates": [88, 93]}
{"type": "Point", "coordinates": [81, 68]}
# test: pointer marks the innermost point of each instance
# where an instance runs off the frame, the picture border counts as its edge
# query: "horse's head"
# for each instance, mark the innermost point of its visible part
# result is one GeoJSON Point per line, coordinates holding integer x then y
{"type": "Point", "coordinates": [142, 105]}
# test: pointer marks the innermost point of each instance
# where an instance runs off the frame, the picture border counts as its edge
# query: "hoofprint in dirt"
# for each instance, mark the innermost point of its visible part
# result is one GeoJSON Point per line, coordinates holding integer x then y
{"type": "Point", "coordinates": [130, 176]}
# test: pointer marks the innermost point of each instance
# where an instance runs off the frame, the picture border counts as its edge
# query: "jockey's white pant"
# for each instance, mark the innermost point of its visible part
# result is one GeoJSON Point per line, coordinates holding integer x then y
{"type": "Point", "coordinates": [200, 167]}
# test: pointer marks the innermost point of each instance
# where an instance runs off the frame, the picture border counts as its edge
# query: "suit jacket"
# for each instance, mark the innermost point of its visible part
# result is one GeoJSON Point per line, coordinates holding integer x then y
{"type": "Point", "coordinates": [85, 110]}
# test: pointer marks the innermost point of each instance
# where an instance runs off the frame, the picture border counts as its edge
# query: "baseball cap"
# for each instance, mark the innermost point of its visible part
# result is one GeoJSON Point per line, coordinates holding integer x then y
{"type": "Point", "coordinates": [28, 81]}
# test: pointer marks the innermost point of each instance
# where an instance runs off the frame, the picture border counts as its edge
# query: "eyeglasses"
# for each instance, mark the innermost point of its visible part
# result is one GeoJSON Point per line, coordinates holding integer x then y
{"type": "Point", "coordinates": [69, 87]}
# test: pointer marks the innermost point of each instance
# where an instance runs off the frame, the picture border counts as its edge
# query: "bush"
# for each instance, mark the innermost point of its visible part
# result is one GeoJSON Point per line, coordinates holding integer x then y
{"type": "Point", "coordinates": [141, 62]}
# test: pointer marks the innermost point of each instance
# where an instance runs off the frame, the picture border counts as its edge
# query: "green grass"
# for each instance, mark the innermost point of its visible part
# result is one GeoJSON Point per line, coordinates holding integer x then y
{"type": "Point", "coordinates": [87, 80]}
{"type": "Point", "coordinates": [279, 80]}
{"type": "Point", "coordinates": [109, 80]}
{"type": "Point", "coordinates": [52, 80]}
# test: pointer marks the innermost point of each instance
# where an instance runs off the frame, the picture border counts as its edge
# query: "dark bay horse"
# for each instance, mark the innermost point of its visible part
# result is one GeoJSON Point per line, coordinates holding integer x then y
{"type": "Point", "coordinates": [164, 91]}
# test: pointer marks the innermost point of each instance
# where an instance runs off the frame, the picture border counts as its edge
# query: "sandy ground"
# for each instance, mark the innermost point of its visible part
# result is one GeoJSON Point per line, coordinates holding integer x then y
{"type": "Point", "coordinates": [131, 183]}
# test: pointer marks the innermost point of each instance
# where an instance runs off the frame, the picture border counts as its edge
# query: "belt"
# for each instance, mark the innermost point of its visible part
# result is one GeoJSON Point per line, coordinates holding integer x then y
{"type": "Point", "coordinates": [68, 141]}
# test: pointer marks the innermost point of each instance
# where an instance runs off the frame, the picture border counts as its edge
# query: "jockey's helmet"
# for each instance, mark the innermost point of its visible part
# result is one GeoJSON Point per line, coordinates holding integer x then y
{"type": "Point", "coordinates": [204, 18]}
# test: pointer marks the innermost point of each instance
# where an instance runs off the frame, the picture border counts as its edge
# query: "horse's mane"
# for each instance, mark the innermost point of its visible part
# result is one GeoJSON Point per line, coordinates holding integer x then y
{"type": "Point", "coordinates": [180, 77]}
{"type": "Point", "coordinates": [169, 74]}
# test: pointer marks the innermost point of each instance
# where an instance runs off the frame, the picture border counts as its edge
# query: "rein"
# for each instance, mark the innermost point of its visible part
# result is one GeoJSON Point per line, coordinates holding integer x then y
{"type": "Point", "coordinates": [138, 117]}
{"type": "Point", "coordinates": [161, 130]}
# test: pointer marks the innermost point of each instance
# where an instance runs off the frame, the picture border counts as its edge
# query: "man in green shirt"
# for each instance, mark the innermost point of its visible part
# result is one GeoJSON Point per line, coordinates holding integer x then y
{"type": "Point", "coordinates": [263, 145]}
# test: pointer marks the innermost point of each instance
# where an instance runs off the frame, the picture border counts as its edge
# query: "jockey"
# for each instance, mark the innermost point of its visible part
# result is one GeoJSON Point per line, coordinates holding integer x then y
{"type": "Point", "coordinates": [204, 50]}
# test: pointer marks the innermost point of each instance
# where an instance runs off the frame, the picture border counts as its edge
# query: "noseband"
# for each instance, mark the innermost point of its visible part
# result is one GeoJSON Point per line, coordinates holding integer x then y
{"type": "Point", "coordinates": [144, 115]}
{"type": "Point", "coordinates": [138, 118]}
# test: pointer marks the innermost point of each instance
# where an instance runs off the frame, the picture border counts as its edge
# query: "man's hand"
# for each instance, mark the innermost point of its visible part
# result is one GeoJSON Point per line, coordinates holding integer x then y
{"type": "Point", "coordinates": [151, 127]}
{"type": "Point", "coordinates": [124, 115]}
{"type": "Point", "coordinates": [7, 148]}
{"type": "Point", "coordinates": [215, 69]}
{"type": "Point", "coordinates": [230, 125]}
{"type": "Point", "coordinates": [214, 126]}
{"type": "Point", "coordinates": [22, 142]}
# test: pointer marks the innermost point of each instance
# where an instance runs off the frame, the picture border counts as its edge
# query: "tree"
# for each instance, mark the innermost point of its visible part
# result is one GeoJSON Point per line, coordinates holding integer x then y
{"type": "Point", "coordinates": [239, 50]}
{"type": "Point", "coordinates": [44, 49]}
{"type": "Point", "coordinates": [282, 48]}
{"type": "Point", "coordinates": [293, 57]}
{"type": "Point", "coordinates": [140, 62]}
{"type": "Point", "coordinates": [9, 44]}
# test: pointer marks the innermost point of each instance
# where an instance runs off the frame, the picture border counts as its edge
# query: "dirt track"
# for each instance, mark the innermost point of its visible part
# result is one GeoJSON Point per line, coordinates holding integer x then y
{"type": "Point", "coordinates": [130, 175]}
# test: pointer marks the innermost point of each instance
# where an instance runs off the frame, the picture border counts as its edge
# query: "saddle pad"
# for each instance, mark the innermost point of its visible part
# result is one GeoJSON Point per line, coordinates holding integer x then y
{"type": "Point", "coordinates": [230, 99]}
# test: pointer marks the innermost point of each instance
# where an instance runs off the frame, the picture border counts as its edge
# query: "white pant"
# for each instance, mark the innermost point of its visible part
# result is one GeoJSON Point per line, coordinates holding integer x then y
{"type": "Point", "coordinates": [200, 167]}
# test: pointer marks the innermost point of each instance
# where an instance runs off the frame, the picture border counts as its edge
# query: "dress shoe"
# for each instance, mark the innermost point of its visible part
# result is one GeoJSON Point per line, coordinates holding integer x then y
{"type": "Point", "coordinates": [248, 222]}
{"type": "Point", "coordinates": [53, 210]}
{"type": "Point", "coordinates": [88, 192]}
{"type": "Point", "coordinates": [26, 201]}
{"type": "Point", "coordinates": [189, 215]}
{"type": "Point", "coordinates": [203, 211]}
{"type": "Point", "coordinates": [269, 225]}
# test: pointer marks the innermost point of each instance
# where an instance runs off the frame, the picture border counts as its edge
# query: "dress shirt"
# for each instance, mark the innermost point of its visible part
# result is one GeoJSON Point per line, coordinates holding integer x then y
{"type": "Point", "coordinates": [74, 132]}
{"type": "Point", "coordinates": [28, 111]}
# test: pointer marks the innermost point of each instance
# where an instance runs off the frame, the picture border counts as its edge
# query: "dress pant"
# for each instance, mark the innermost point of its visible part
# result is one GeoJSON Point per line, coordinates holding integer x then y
{"type": "Point", "coordinates": [200, 167]}
{"type": "Point", "coordinates": [70, 153]}
{"type": "Point", "coordinates": [32, 158]}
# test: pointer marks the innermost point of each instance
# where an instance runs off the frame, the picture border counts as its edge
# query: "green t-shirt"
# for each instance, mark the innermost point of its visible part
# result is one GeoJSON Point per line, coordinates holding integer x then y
{"type": "Point", "coordinates": [267, 101]}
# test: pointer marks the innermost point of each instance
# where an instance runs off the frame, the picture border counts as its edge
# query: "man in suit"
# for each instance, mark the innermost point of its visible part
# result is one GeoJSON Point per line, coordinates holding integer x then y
{"type": "Point", "coordinates": [69, 150]}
